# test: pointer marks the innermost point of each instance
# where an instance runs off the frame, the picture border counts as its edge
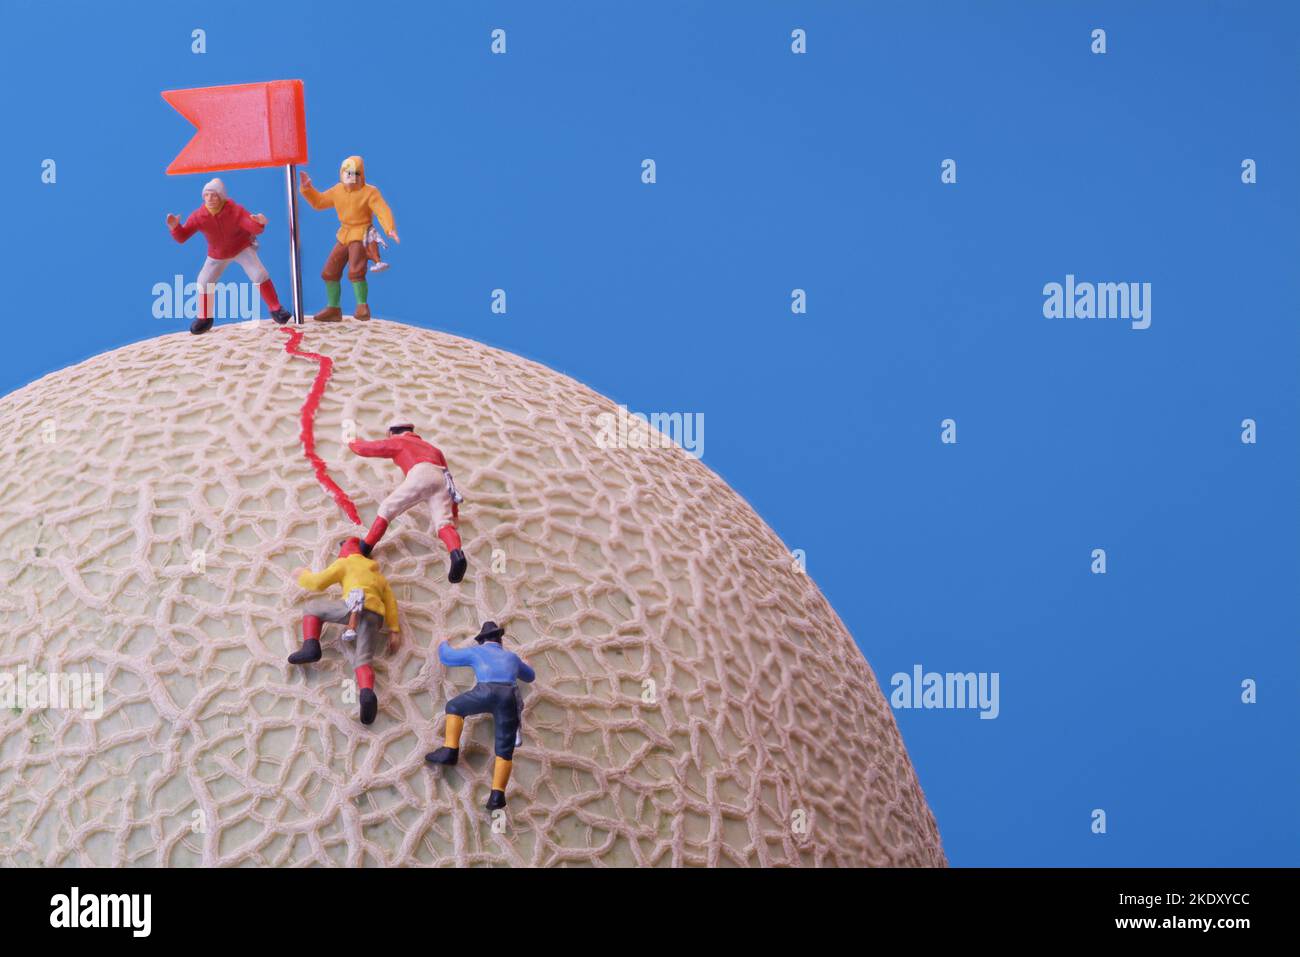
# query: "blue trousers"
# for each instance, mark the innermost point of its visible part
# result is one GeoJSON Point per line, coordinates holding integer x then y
{"type": "Point", "coordinates": [498, 699]}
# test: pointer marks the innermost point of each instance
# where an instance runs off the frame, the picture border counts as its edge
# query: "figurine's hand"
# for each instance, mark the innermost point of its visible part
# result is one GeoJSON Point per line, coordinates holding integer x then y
{"type": "Point", "coordinates": [299, 572]}
{"type": "Point", "coordinates": [394, 642]}
{"type": "Point", "coordinates": [393, 236]}
{"type": "Point", "coordinates": [172, 221]}
{"type": "Point", "coordinates": [303, 179]}
{"type": "Point", "coordinates": [259, 218]}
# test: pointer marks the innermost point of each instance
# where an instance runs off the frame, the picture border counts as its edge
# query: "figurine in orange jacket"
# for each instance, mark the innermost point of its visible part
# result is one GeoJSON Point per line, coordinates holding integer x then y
{"type": "Point", "coordinates": [427, 480]}
{"type": "Point", "coordinates": [357, 204]}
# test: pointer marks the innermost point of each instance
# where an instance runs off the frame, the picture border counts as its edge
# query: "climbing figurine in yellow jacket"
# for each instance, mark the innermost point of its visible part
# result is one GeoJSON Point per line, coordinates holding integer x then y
{"type": "Point", "coordinates": [367, 606]}
{"type": "Point", "coordinates": [356, 203]}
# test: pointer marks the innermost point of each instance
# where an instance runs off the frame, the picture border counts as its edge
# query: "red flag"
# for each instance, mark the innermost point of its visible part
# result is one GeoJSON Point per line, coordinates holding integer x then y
{"type": "Point", "coordinates": [242, 126]}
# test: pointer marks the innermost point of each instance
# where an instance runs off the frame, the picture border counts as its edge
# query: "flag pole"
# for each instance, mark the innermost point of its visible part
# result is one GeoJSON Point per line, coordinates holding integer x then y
{"type": "Point", "coordinates": [295, 260]}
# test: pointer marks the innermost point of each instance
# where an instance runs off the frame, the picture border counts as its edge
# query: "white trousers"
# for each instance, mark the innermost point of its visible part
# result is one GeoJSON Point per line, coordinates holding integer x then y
{"type": "Point", "coordinates": [213, 268]}
{"type": "Point", "coordinates": [425, 482]}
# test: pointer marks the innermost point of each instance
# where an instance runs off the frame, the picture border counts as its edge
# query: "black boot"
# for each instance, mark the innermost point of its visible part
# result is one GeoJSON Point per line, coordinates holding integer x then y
{"type": "Point", "coordinates": [366, 548]}
{"type": "Point", "coordinates": [369, 705]}
{"type": "Point", "coordinates": [496, 800]}
{"type": "Point", "coordinates": [309, 652]}
{"type": "Point", "coordinates": [281, 315]}
{"type": "Point", "coordinates": [444, 755]}
{"type": "Point", "coordinates": [458, 565]}
{"type": "Point", "coordinates": [200, 326]}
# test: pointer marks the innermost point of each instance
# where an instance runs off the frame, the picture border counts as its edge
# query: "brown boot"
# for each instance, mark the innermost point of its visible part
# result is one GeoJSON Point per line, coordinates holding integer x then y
{"type": "Point", "coordinates": [329, 314]}
{"type": "Point", "coordinates": [362, 312]}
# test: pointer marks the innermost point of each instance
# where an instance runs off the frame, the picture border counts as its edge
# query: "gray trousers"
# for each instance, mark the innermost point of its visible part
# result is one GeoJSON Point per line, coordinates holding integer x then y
{"type": "Point", "coordinates": [368, 625]}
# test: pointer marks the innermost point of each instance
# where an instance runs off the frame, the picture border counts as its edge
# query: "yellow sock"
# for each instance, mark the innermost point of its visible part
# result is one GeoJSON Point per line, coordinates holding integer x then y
{"type": "Point", "coordinates": [454, 725]}
{"type": "Point", "coordinates": [500, 774]}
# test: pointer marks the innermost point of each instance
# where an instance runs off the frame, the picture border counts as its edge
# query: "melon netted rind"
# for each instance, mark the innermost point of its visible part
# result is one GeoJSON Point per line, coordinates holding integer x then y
{"type": "Point", "coordinates": [154, 499]}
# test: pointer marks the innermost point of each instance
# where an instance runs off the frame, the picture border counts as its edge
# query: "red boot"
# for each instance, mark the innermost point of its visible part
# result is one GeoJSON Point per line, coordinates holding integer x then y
{"type": "Point", "coordinates": [310, 650]}
{"type": "Point", "coordinates": [367, 698]}
{"type": "Point", "coordinates": [451, 538]}
{"type": "Point", "coordinates": [278, 312]}
{"type": "Point", "coordinates": [374, 535]}
{"type": "Point", "coordinates": [206, 310]}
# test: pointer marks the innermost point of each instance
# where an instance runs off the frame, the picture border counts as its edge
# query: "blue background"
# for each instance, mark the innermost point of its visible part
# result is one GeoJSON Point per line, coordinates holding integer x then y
{"type": "Point", "coordinates": [821, 172]}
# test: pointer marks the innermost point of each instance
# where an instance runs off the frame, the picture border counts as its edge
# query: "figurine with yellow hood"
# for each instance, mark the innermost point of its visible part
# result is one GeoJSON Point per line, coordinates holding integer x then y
{"type": "Point", "coordinates": [356, 202]}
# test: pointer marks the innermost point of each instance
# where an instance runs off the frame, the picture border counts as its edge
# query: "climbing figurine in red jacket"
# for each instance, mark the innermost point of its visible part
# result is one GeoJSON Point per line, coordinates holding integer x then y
{"type": "Point", "coordinates": [427, 480]}
{"type": "Point", "coordinates": [230, 232]}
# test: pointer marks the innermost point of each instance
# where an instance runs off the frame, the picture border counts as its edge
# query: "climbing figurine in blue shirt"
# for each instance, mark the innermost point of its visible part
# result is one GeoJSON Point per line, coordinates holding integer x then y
{"type": "Point", "coordinates": [497, 670]}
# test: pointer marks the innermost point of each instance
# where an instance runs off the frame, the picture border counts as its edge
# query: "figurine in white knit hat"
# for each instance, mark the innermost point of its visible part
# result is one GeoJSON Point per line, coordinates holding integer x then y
{"type": "Point", "coordinates": [231, 234]}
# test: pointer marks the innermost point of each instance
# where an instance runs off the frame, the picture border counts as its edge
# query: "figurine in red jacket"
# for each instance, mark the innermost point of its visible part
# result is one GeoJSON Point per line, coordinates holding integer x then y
{"type": "Point", "coordinates": [229, 230]}
{"type": "Point", "coordinates": [427, 480]}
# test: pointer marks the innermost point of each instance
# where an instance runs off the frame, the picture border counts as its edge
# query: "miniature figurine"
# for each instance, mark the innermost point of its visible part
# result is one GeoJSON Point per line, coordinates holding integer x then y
{"type": "Point", "coordinates": [373, 243]}
{"type": "Point", "coordinates": [496, 693]}
{"type": "Point", "coordinates": [356, 203]}
{"type": "Point", "coordinates": [356, 602]}
{"type": "Point", "coordinates": [377, 609]}
{"type": "Point", "coordinates": [427, 480]}
{"type": "Point", "coordinates": [230, 232]}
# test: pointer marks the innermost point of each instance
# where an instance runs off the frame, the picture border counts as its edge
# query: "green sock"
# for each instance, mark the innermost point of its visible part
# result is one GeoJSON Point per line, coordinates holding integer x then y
{"type": "Point", "coordinates": [361, 290]}
{"type": "Point", "coordinates": [332, 292]}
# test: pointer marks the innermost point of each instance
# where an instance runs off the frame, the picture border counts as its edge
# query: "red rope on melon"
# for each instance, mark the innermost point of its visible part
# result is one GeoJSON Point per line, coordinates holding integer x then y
{"type": "Point", "coordinates": [308, 418]}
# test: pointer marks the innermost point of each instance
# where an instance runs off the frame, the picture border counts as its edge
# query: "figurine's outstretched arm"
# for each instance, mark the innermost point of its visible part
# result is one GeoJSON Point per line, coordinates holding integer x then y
{"type": "Point", "coordinates": [525, 672]}
{"type": "Point", "coordinates": [181, 231]}
{"type": "Point", "coordinates": [453, 656]}
{"type": "Point", "coordinates": [390, 608]}
{"type": "Point", "coordinates": [319, 581]}
{"type": "Point", "coordinates": [382, 448]}
{"type": "Point", "coordinates": [248, 223]}
{"type": "Point", "coordinates": [314, 197]}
